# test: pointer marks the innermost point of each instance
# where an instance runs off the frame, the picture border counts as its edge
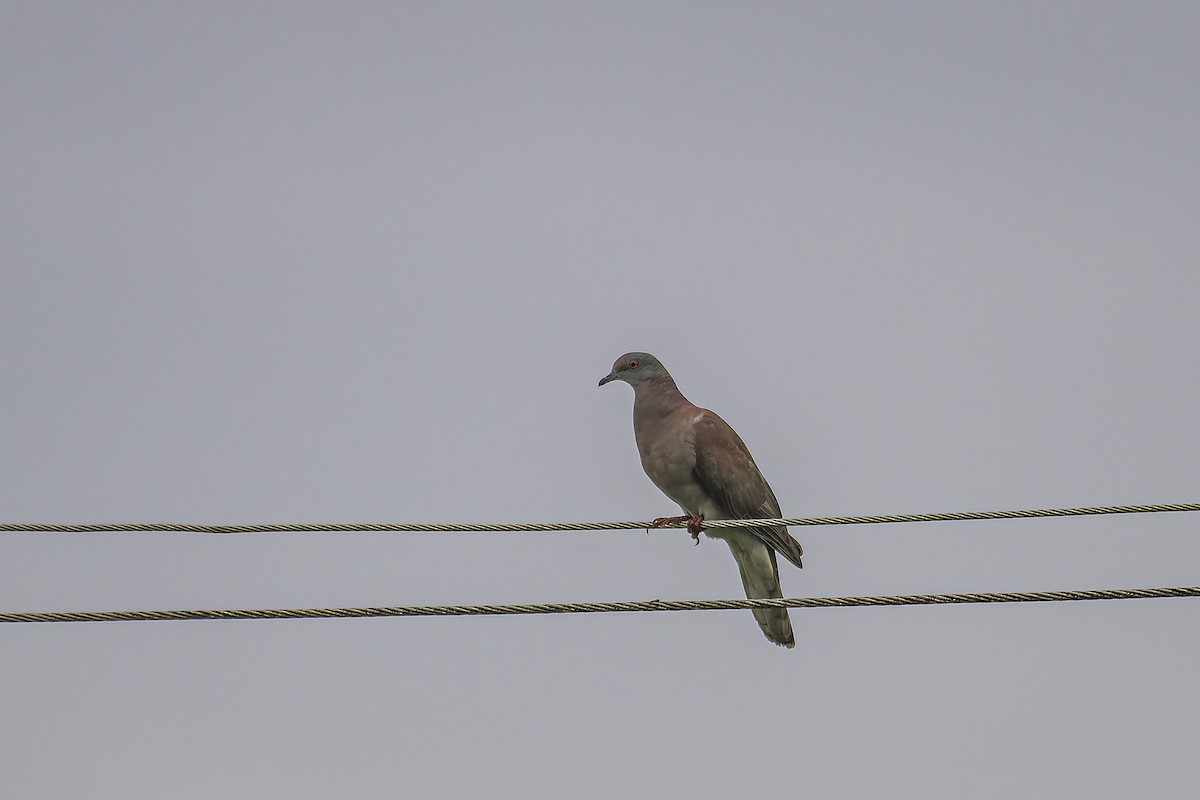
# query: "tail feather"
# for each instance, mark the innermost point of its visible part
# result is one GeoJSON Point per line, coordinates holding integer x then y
{"type": "Point", "coordinates": [760, 577]}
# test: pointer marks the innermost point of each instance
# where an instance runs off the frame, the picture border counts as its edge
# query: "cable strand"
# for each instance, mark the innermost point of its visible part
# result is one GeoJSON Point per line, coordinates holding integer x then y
{"type": "Point", "coordinates": [600, 607]}
{"type": "Point", "coordinates": [130, 527]}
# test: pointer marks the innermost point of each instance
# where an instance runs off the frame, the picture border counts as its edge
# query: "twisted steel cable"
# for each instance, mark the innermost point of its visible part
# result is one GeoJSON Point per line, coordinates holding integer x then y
{"type": "Point", "coordinates": [401, 527]}
{"type": "Point", "coordinates": [600, 607]}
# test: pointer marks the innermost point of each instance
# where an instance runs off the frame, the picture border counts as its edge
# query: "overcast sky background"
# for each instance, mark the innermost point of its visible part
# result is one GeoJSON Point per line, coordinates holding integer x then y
{"type": "Point", "coordinates": [357, 262]}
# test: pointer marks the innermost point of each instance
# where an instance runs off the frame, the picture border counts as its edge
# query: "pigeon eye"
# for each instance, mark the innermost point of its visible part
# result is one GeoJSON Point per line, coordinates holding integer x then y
{"type": "Point", "coordinates": [633, 364]}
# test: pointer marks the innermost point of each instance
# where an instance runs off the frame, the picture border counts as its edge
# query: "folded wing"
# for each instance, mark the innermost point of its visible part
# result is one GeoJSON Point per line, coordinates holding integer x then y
{"type": "Point", "coordinates": [727, 472]}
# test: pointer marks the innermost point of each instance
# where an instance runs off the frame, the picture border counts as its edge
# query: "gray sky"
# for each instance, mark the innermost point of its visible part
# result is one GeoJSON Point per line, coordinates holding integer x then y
{"type": "Point", "coordinates": [296, 262]}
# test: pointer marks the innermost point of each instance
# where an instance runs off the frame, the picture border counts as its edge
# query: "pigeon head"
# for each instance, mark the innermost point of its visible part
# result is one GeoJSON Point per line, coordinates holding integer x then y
{"type": "Point", "coordinates": [636, 368]}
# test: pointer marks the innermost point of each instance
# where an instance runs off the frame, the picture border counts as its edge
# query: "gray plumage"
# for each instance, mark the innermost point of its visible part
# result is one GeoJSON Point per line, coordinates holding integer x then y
{"type": "Point", "coordinates": [701, 463]}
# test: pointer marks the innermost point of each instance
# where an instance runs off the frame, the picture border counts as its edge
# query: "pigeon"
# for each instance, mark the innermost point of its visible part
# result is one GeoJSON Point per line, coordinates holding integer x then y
{"type": "Point", "coordinates": [700, 463]}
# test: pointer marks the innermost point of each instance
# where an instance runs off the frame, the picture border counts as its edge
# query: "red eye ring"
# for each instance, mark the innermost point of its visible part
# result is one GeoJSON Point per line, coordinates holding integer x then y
{"type": "Point", "coordinates": [633, 364]}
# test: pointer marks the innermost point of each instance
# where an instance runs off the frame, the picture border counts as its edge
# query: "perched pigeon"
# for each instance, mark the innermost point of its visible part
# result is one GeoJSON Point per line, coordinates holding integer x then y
{"type": "Point", "coordinates": [699, 462]}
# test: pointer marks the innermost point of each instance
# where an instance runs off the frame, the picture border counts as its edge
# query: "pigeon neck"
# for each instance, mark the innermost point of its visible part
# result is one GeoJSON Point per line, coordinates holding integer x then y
{"type": "Point", "coordinates": [657, 398]}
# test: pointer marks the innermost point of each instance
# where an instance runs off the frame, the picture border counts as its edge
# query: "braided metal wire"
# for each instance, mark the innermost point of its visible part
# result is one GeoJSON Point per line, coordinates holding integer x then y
{"type": "Point", "coordinates": [600, 607]}
{"type": "Point", "coordinates": [579, 526]}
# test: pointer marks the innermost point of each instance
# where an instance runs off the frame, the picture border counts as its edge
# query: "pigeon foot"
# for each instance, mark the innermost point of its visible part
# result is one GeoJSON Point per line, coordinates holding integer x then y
{"type": "Point", "coordinates": [694, 524]}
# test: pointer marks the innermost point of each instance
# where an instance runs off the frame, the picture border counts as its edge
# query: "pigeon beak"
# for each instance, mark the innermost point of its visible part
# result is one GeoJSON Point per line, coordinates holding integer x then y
{"type": "Point", "coordinates": [612, 376]}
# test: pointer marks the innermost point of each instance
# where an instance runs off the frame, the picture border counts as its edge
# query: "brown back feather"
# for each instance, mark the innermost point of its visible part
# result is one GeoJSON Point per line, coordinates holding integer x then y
{"type": "Point", "coordinates": [726, 470]}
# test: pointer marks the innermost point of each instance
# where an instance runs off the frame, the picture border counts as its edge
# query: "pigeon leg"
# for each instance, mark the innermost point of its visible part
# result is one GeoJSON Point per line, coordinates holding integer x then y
{"type": "Point", "coordinates": [693, 524]}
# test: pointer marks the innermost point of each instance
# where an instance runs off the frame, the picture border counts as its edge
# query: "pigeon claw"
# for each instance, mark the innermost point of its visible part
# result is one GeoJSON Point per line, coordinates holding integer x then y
{"type": "Point", "coordinates": [694, 524]}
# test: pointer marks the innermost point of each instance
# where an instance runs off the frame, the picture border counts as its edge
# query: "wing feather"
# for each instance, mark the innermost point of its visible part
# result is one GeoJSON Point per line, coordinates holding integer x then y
{"type": "Point", "coordinates": [728, 474]}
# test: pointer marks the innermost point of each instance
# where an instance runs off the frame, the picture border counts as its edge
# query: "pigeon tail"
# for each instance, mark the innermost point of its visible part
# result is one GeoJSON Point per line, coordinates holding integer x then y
{"type": "Point", "coordinates": [760, 577]}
